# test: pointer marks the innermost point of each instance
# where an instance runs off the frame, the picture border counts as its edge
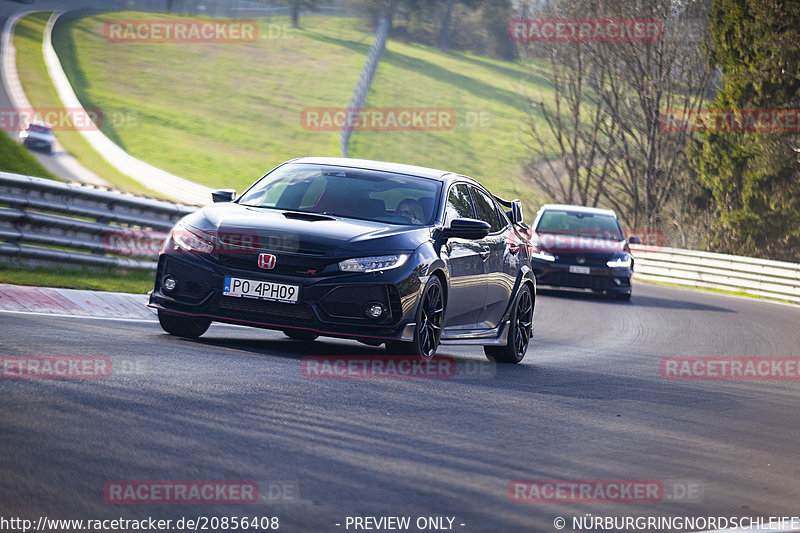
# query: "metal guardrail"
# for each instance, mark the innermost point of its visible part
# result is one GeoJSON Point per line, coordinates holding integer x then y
{"type": "Point", "coordinates": [361, 90]}
{"type": "Point", "coordinates": [759, 277]}
{"type": "Point", "coordinates": [44, 222]}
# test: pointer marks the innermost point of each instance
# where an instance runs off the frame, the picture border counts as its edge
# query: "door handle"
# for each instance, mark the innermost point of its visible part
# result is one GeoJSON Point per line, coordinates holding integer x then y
{"type": "Point", "coordinates": [484, 253]}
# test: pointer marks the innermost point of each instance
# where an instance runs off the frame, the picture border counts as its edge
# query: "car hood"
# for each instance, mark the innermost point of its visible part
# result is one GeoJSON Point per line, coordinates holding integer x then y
{"type": "Point", "coordinates": [557, 243]}
{"type": "Point", "coordinates": [288, 231]}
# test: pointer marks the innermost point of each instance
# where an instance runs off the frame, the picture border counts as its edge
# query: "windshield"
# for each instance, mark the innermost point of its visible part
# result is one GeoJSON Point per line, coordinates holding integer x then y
{"type": "Point", "coordinates": [39, 129]}
{"type": "Point", "coordinates": [583, 224]}
{"type": "Point", "coordinates": [347, 192]}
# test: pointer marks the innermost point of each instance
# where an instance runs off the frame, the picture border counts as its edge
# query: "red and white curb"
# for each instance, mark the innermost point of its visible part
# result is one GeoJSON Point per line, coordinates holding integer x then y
{"type": "Point", "coordinates": [74, 303]}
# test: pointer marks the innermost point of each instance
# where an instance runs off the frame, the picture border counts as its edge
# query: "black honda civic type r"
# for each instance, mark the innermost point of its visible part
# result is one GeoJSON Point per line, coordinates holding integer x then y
{"type": "Point", "coordinates": [378, 252]}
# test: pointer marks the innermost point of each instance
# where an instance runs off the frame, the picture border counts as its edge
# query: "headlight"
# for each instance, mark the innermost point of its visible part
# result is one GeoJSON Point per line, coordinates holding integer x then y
{"type": "Point", "coordinates": [193, 239]}
{"type": "Point", "coordinates": [620, 262]}
{"type": "Point", "coordinates": [544, 256]}
{"type": "Point", "coordinates": [372, 264]}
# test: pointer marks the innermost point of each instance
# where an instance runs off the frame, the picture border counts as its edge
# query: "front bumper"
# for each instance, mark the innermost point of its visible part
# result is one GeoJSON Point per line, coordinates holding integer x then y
{"type": "Point", "coordinates": [330, 306]}
{"type": "Point", "coordinates": [37, 144]}
{"type": "Point", "coordinates": [599, 278]}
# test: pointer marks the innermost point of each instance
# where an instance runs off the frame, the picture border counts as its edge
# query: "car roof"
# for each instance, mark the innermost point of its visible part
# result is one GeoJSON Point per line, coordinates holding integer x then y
{"type": "Point", "coordinates": [578, 209]}
{"type": "Point", "coordinates": [397, 168]}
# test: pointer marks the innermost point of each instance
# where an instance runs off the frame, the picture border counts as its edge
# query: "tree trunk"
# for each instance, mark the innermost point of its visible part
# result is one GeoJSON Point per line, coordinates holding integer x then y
{"type": "Point", "coordinates": [444, 32]}
{"type": "Point", "coordinates": [295, 8]}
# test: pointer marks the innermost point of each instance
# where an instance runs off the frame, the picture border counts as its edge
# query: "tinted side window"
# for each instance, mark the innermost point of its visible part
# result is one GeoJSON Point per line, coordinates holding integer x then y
{"type": "Point", "coordinates": [486, 210]}
{"type": "Point", "coordinates": [459, 204]}
{"type": "Point", "coordinates": [504, 220]}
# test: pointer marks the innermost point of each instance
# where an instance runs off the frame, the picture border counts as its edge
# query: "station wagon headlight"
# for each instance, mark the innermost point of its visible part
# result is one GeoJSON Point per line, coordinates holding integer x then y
{"type": "Point", "coordinates": [544, 256]}
{"type": "Point", "coordinates": [622, 261]}
{"type": "Point", "coordinates": [372, 264]}
{"type": "Point", "coordinates": [193, 239]}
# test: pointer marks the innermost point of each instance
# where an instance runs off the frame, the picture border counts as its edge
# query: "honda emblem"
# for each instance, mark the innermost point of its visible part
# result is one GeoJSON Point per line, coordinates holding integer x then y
{"type": "Point", "coordinates": [267, 261]}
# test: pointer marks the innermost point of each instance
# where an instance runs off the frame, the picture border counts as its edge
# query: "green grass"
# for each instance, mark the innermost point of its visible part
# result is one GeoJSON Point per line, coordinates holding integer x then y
{"type": "Point", "coordinates": [486, 96]}
{"type": "Point", "coordinates": [114, 280]}
{"type": "Point", "coordinates": [41, 94]}
{"type": "Point", "coordinates": [222, 114]}
{"type": "Point", "coordinates": [16, 158]}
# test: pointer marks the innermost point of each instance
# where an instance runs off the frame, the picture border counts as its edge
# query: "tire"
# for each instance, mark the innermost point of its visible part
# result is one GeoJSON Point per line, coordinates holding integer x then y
{"type": "Point", "coordinates": [623, 296]}
{"type": "Point", "coordinates": [520, 331]}
{"type": "Point", "coordinates": [429, 319]}
{"type": "Point", "coordinates": [190, 328]}
{"type": "Point", "coordinates": [304, 336]}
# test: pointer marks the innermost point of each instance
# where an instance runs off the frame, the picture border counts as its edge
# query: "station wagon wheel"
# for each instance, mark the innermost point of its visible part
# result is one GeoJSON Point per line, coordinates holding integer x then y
{"type": "Point", "coordinates": [520, 331]}
{"type": "Point", "coordinates": [429, 320]}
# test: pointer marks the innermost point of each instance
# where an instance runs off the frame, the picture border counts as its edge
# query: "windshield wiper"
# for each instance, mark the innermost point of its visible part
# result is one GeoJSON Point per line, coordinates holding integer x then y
{"type": "Point", "coordinates": [306, 215]}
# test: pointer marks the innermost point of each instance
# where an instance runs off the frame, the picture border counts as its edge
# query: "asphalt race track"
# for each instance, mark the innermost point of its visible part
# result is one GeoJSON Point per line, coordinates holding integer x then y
{"type": "Point", "coordinates": [588, 402]}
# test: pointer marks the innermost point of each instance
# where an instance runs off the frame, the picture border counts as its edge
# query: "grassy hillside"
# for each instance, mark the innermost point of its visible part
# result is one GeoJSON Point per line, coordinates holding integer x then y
{"type": "Point", "coordinates": [16, 158]}
{"type": "Point", "coordinates": [41, 94]}
{"type": "Point", "coordinates": [222, 114]}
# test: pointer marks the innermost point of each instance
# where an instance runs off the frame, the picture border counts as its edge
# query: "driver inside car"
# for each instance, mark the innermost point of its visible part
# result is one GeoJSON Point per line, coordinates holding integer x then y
{"type": "Point", "coordinates": [410, 209]}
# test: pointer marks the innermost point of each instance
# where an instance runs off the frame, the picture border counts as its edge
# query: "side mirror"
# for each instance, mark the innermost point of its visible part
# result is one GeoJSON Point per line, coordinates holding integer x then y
{"type": "Point", "coordinates": [223, 195]}
{"type": "Point", "coordinates": [633, 239]}
{"type": "Point", "coordinates": [467, 228]}
{"type": "Point", "coordinates": [516, 213]}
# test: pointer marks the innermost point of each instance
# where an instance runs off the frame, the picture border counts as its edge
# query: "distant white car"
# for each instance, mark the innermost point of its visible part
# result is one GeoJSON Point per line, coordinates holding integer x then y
{"type": "Point", "coordinates": [39, 136]}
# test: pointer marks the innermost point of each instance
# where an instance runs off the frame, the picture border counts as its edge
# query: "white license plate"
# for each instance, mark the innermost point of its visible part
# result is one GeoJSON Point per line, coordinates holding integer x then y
{"type": "Point", "coordinates": [575, 269]}
{"type": "Point", "coordinates": [262, 290]}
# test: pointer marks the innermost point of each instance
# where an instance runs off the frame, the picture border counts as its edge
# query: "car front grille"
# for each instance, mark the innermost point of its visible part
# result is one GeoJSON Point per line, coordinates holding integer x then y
{"type": "Point", "coordinates": [262, 309]}
{"type": "Point", "coordinates": [578, 281]}
{"type": "Point", "coordinates": [285, 265]}
{"type": "Point", "coordinates": [582, 259]}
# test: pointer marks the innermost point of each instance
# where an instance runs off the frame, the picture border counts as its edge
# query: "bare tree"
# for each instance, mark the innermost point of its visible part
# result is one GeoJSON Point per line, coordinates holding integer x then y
{"type": "Point", "coordinates": [647, 85]}
{"type": "Point", "coordinates": [611, 98]}
{"type": "Point", "coordinates": [574, 126]}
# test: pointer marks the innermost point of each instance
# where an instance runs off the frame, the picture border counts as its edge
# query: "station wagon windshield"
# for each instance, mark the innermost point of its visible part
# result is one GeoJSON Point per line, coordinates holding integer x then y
{"type": "Point", "coordinates": [582, 224]}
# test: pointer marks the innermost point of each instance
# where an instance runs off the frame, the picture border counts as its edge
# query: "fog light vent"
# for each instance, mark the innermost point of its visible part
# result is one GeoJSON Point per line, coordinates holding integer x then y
{"type": "Point", "coordinates": [169, 283]}
{"type": "Point", "coordinates": [374, 310]}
